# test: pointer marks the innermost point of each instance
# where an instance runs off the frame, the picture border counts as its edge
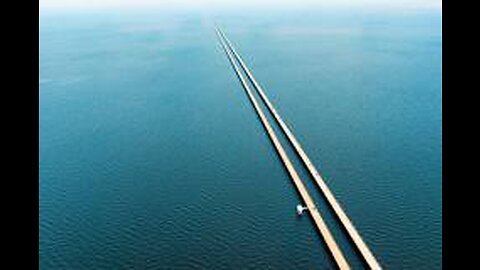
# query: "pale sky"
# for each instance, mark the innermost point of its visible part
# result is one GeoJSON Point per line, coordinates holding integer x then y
{"type": "Point", "coordinates": [205, 4]}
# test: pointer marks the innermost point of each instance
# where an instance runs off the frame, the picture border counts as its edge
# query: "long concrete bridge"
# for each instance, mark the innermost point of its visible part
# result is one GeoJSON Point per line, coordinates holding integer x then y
{"type": "Point", "coordinates": [322, 227]}
{"type": "Point", "coordinates": [335, 206]}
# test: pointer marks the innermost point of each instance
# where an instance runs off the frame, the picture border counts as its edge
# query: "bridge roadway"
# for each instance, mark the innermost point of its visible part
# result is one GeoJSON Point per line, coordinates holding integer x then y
{"type": "Point", "coordinates": [312, 209]}
{"type": "Point", "coordinates": [342, 216]}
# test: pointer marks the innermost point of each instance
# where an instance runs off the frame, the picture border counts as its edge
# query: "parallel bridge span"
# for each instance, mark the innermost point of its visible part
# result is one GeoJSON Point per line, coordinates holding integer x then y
{"type": "Point", "coordinates": [319, 222]}
{"type": "Point", "coordinates": [340, 213]}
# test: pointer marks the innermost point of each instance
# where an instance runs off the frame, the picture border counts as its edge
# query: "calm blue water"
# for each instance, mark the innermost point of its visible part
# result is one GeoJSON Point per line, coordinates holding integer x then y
{"type": "Point", "coordinates": [152, 157]}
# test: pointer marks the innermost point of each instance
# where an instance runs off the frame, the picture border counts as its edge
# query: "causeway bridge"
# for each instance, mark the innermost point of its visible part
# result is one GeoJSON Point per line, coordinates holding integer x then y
{"type": "Point", "coordinates": [238, 66]}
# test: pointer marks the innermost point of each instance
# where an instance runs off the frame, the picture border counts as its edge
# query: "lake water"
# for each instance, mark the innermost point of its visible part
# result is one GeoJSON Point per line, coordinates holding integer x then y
{"type": "Point", "coordinates": [151, 155]}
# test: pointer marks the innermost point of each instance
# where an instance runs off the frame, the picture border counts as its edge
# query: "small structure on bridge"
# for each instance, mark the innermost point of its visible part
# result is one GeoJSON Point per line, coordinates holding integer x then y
{"type": "Point", "coordinates": [300, 209]}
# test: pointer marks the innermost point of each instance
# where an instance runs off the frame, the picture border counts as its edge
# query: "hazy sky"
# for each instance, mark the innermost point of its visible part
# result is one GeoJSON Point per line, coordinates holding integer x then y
{"type": "Point", "coordinates": [94, 4]}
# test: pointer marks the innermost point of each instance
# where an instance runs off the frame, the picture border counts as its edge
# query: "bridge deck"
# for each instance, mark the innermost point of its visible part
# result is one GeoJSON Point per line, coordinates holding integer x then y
{"type": "Point", "coordinates": [347, 224]}
{"type": "Point", "coordinates": [319, 222]}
